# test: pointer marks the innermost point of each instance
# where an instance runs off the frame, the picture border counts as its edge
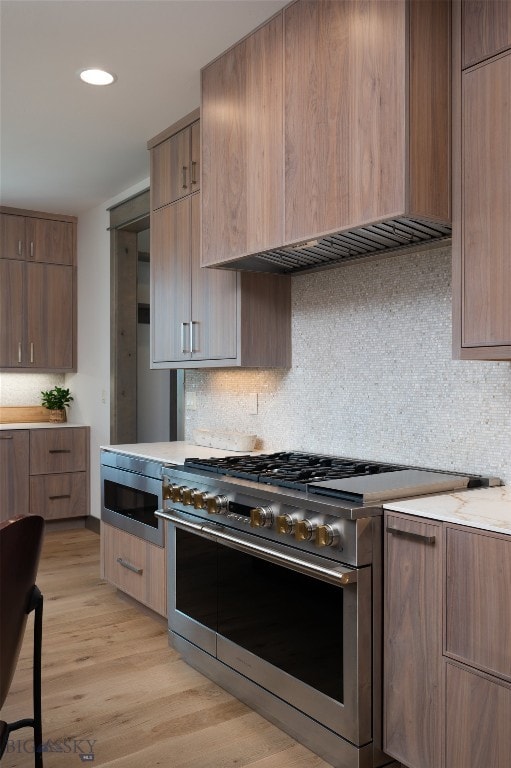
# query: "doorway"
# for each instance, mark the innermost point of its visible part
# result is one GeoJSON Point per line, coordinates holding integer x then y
{"type": "Point", "coordinates": [145, 404]}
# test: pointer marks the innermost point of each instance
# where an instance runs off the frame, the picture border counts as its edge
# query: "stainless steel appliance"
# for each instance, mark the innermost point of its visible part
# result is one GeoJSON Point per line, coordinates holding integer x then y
{"type": "Point", "coordinates": [275, 587]}
{"type": "Point", "coordinates": [131, 493]}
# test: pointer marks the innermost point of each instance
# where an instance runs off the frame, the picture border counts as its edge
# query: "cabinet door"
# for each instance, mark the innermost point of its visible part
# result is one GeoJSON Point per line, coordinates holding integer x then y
{"type": "Point", "coordinates": [478, 605]}
{"type": "Point", "coordinates": [171, 169]}
{"type": "Point", "coordinates": [136, 567]}
{"type": "Point", "coordinates": [486, 29]}
{"type": "Point", "coordinates": [11, 313]}
{"type": "Point", "coordinates": [49, 308]}
{"type": "Point", "coordinates": [344, 115]}
{"type": "Point", "coordinates": [242, 148]}
{"type": "Point", "coordinates": [170, 282]}
{"type": "Point", "coordinates": [214, 293]}
{"type": "Point", "coordinates": [12, 236]}
{"type": "Point", "coordinates": [486, 200]}
{"type": "Point", "coordinates": [49, 241]}
{"type": "Point", "coordinates": [412, 655]}
{"type": "Point", "coordinates": [195, 157]}
{"type": "Point", "coordinates": [14, 481]}
{"type": "Point", "coordinates": [478, 715]}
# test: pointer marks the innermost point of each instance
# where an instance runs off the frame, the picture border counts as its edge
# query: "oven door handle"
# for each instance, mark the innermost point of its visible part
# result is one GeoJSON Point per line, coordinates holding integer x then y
{"type": "Point", "coordinates": [338, 575]}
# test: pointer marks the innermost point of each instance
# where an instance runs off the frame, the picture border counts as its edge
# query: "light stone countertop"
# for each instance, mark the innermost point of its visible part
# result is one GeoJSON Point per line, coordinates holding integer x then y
{"type": "Point", "coordinates": [172, 453]}
{"type": "Point", "coordinates": [485, 508]}
{"type": "Point", "coordinates": [40, 425]}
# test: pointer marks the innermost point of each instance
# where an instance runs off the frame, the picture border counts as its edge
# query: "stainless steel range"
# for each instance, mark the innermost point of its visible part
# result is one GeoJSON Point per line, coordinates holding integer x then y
{"type": "Point", "coordinates": [275, 587]}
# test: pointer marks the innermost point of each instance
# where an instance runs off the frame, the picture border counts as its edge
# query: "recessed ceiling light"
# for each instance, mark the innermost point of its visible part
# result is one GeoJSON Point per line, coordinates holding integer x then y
{"type": "Point", "coordinates": [97, 77]}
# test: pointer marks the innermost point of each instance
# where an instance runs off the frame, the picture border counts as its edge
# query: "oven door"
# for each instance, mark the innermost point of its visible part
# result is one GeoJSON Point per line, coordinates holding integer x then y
{"type": "Point", "coordinates": [294, 623]}
{"type": "Point", "coordinates": [129, 502]}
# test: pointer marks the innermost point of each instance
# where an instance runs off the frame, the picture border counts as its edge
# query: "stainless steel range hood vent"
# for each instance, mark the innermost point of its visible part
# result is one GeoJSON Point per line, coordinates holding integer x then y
{"type": "Point", "coordinates": [385, 237]}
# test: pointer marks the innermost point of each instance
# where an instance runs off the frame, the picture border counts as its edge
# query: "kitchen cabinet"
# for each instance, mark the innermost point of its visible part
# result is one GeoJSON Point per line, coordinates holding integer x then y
{"type": "Point", "coordinates": [331, 117]}
{"type": "Point", "coordinates": [14, 483]}
{"type": "Point", "coordinates": [413, 669]}
{"type": "Point", "coordinates": [59, 472]}
{"type": "Point", "coordinates": [208, 317]}
{"type": "Point", "coordinates": [37, 293]}
{"type": "Point", "coordinates": [35, 238]}
{"type": "Point", "coordinates": [478, 628]}
{"type": "Point", "coordinates": [175, 164]}
{"type": "Point", "coordinates": [486, 29]}
{"type": "Point", "coordinates": [135, 566]}
{"type": "Point", "coordinates": [481, 184]}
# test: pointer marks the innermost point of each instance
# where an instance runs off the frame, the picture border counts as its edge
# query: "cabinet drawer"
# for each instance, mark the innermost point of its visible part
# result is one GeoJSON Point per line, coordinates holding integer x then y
{"type": "Point", "coordinates": [58, 450]}
{"type": "Point", "coordinates": [478, 715]}
{"type": "Point", "coordinates": [59, 496]}
{"type": "Point", "coordinates": [478, 609]}
{"type": "Point", "coordinates": [135, 567]}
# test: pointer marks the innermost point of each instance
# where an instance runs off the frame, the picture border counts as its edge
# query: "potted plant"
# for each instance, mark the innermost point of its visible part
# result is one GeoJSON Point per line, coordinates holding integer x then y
{"type": "Point", "coordinates": [56, 400]}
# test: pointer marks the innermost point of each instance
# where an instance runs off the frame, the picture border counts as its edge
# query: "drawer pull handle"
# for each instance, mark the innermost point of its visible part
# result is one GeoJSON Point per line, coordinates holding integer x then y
{"type": "Point", "coordinates": [411, 535]}
{"type": "Point", "coordinates": [5, 437]}
{"type": "Point", "coordinates": [60, 450]}
{"type": "Point", "coordinates": [129, 566]}
{"type": "Point", "coordinates": [61, 496]}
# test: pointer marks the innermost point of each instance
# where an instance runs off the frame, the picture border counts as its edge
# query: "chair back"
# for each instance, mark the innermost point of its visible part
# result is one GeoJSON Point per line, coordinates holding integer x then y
{"type": "Point", "coordinates": [20, 548]}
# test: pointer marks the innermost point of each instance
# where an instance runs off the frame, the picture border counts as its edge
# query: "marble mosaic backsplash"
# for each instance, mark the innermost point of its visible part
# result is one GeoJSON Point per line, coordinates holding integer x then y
{"type": "Point", "coordinates": [372, 375]}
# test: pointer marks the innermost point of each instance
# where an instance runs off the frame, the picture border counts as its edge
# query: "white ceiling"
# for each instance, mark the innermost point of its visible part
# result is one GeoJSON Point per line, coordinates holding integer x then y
{"type": "Point", "coordinates": [65, 146]}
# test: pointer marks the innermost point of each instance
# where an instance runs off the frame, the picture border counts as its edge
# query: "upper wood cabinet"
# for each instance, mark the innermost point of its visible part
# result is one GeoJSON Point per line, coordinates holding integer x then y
{"type": "Point", "coordinates": [37, 291]}
{"type": "Point", "coordinates": [413, 669]}
{"type": "Point", "coordinates": [481, 189]}
{"type": "Point", "coordinates": [486, 29]}
{"type": "Point", "coordinates": [175, 163]}
{"type": "Point", "coordinates": [34, 238]}
{"type": "Point", "coordinates": [332, 116]}
{"type": "Point", "coordinates": [209, 317]}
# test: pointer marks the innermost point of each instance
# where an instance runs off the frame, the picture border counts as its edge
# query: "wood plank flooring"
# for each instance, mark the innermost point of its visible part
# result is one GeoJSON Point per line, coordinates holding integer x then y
{"type": "Point", "coordinates": [109, 677]}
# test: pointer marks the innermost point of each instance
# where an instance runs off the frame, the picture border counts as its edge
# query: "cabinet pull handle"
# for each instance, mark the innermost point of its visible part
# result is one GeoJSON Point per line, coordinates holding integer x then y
{"type": "Point", "coordinates": [61, 496]}
{"type": "Point", "coordinates": [411, 535]}
{"type": "Point", "coordinates": [185, 168]}
{"type": "Point", "coordinates": [194, 167]}
{"type": "Point", "coordinates": [31, 249]}
{"type": "Point", "coordinates": [129, 566]}
{"type": "Point", "coordinates": [31, 351]}
{"type": "Point", "coordinates": [192, 348]}
{"type": "Point", "coordinates": [183, 339]}
{"type": "Point", "coordinates": [19, 351]}
{"type": "Point", "coordinates": [20, 248]}
{"type": "Point", "coordinates": [60, 450]}
{"type": "Point", "coordinates": [5, 437]}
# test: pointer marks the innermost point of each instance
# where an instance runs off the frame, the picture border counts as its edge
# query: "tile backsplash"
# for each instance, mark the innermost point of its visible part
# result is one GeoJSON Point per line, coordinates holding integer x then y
{"type": "Point", "coordinates": [372, 375]}
{"type": "Point", "coordinates": [25, 388]}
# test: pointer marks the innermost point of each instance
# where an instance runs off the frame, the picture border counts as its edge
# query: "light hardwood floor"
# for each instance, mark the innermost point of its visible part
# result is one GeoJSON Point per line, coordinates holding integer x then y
{"type": "Point", "coordinates": [109, 676]}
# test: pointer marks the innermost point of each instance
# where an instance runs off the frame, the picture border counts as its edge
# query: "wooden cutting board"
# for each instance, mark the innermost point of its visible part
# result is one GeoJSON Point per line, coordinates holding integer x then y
{"type": "Point", "coordinates": [23, 414]}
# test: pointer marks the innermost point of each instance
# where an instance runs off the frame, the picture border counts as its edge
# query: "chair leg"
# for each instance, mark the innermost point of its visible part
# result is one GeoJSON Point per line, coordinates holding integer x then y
{"type": "Point", "coordinates": [38, 639]}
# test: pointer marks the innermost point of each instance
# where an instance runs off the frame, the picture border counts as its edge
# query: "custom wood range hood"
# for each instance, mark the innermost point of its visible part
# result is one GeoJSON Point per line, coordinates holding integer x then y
{"type": "Point", "coordinates": [326, 136]}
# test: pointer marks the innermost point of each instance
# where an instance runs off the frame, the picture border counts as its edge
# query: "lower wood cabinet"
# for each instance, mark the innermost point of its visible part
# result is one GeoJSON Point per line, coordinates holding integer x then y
{"type": "Point", "coordinates": [413, 669]}
{"type": "Point", "coordinates": [135, 566]}
{"type": "Point", "coordinates": [59, 496]}
{"type": "Point", "coordinates": [14, 484]}
{"type": "Point", "coordinates": [447, 649]}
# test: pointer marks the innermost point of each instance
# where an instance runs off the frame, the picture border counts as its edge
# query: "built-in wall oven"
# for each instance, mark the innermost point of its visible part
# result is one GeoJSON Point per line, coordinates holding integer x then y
{"type": "Point", "coordinates": [131, 493]}
{"type": "Point", "coordinates": [275, 592]}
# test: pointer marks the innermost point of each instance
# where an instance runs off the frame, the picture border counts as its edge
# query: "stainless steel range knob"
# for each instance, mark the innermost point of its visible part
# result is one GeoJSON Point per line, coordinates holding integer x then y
{"type": "Point", "coordinates": [200, 499]}
{"type": "Point", "coordinates": [188, 496]}
{"type": "Point", "coordinates": [176, 493]}
{"type": "Point", "coordinates": [304, 530]}
{"type": "Point", "coordinates": [327, 536]}
{"type": "Point", "coordinates": [285, 523]}
{"type": "Point", "coordinates": [217, 505]}
{"type": "Point", "coordinates": [261, 517]}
